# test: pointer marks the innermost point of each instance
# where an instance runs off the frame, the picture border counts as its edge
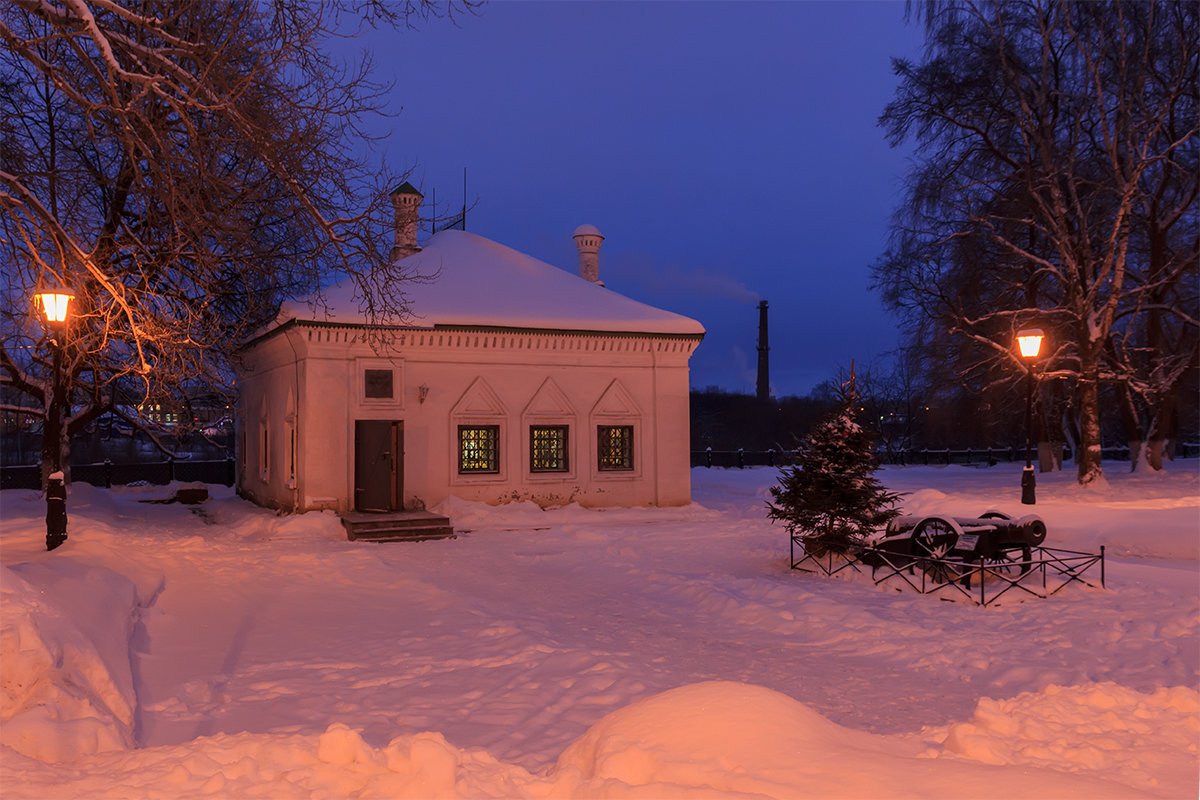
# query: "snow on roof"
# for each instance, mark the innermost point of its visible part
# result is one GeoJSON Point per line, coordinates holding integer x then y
{"type": "Point", "coordinates": [483, 283]}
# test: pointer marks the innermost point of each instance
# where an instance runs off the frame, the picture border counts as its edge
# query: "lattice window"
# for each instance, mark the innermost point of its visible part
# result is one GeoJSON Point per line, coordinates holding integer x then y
{"type": "Point", "coordinates": [478, 448]}
{"type": "Point", "coordinates": [614, 447]}
{"type": "Point", "coordinates": [548, 448]}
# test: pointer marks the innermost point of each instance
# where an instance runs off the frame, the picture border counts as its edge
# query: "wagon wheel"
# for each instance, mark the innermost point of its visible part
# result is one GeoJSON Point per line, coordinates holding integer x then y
{"type": "Point", "coordinates": [1010, 561]}
{"type": "Point", "coordinates": [994, 515]}
{"type": "Point", "coordinates": [934, 538]}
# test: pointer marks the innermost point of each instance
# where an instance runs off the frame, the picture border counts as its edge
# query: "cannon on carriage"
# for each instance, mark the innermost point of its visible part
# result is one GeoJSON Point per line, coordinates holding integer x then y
{"type": "Point", "coordinates": [994, 537]}
{"type": "Point", "coordinates": [982, 558]}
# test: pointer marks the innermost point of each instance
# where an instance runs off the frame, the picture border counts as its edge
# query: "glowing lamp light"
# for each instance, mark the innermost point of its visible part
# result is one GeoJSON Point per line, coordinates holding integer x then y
{"type": "Point", "coordinates": [54, 304]}
{"type": "Point", "coordinates": [1030, 342]}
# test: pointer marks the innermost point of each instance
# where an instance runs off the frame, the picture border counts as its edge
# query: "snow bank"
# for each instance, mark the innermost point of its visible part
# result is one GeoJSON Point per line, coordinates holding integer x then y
{"type": "Point", "coordinates": [67, 687]}
{"type": "Point", "coordinates": [469, 515]}
{"type": "Point", "coordinates": [703, 740]}
{"type": "Point", "coordinates": [717, 736]}
{"type": "Point", "coordinates": [334, 764]}
{"type": "Point", "coordinates": [66, 632]}
{"type": "Point", "coordinates": [1096, 728]}
{"type": "Point", "coordinates": [736, 740]}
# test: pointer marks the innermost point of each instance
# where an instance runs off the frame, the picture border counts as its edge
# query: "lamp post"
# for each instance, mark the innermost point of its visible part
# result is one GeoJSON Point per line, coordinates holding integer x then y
{"type": "Point", "coordinates": [54, 304]}
{"type": "Point", "coordinates": [1029, 342]}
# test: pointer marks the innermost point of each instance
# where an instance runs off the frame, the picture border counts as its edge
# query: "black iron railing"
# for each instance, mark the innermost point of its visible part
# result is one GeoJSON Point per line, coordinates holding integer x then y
{"type": "Point", "coordinates": [1045, 572]}
{"type": "Point", "coordinates": [108, 474]}
{"type": "Point", "coordinates": [984, 455]}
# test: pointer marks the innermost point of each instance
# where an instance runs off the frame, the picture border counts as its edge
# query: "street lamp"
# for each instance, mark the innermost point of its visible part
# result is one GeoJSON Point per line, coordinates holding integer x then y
{"type": "Point", "coordinates": [54, 304]}
{"type": "Point", "coordinates": [1029, 342]}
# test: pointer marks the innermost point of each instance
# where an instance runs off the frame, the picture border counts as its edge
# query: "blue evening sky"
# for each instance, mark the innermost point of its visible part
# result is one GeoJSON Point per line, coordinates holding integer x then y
{"type": "Point", "coordinates": [727, 151]}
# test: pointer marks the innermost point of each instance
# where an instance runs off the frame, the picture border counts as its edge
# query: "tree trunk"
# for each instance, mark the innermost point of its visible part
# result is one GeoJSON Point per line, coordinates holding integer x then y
{"type": "Point", "coordinates": [1088, 457]}
{"type": "Point", "coordinates": [1049, 447]}
{"type": "Point", "coordinates": [1050, 456]}
{"type": "Point", "coordinates": [1163, 427]}
{"type": "Point", "coordinates": [51, 434]}
{"type": "Point", "coordinates": [1135, 433]}
{"type": "Point", "coordinates": [56, 444]}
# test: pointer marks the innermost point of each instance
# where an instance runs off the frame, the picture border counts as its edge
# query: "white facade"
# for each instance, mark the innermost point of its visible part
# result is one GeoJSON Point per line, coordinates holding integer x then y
{"type": "Point", "coordinates": [514, 380]}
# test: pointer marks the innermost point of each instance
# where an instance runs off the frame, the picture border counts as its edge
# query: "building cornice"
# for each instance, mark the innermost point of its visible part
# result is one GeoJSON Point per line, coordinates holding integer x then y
{"type": "Point", "coordinates": [406, 334]}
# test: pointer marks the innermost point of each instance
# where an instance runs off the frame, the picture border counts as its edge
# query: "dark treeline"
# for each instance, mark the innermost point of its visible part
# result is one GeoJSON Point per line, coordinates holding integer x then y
{"type": "Point", "coordinates": [942, 411]}
{"type": "Point", "coordinates": [727, 421]}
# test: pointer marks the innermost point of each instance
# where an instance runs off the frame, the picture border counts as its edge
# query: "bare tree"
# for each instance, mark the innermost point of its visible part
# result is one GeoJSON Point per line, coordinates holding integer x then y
{"type": "Point", "coordinates": [1042, 128]}
{"type": "Point", "coordinates": [181, 167]}
{"type": "Point", "coordinates": [1155, 343]}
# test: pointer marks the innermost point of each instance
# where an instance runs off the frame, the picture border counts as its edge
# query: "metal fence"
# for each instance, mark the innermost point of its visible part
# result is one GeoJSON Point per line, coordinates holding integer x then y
{"type": "Point", "coordinates": [985, 455]}
{"type": "Point", "coordinates": [108, 474]}
{"type": "Point", "coordinates": [1043, 572]}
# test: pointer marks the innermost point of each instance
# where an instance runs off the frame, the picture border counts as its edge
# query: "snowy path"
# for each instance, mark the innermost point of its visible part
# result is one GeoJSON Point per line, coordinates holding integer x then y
{"type": "Point", "coordinates": [516, 641]}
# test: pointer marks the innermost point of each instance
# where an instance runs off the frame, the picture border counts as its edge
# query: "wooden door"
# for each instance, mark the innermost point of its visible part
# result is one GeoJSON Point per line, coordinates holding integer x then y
{"type": "Point", "coordinates": [378, 465]}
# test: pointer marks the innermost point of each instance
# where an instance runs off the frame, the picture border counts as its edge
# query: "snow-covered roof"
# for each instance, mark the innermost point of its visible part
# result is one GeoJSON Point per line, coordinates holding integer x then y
{"type": "Point", "coordinates": [483, 283]}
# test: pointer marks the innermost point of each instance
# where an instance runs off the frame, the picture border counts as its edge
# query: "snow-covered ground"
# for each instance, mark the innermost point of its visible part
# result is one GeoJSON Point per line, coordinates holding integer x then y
{"type": "Point", "coordinates": [224, 651]}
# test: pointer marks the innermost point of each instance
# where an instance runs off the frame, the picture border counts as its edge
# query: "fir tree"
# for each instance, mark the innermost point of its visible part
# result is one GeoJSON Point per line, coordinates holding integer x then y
{"type": "Point", "coordinates": [830, 496]}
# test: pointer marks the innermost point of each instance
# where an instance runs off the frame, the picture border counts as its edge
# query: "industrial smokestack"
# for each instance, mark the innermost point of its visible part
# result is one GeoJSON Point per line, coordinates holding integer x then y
{"type": "Point", "coordinates": [764, 369]}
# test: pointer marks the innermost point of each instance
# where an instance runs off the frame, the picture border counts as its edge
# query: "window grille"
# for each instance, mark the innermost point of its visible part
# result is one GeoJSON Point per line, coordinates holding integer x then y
{"type": "Point", "coordinates": [478, 448]}
{"type": "Point", "coordinates": [614, 447]}
{"type": "Point", "coordinates": [548, 448]}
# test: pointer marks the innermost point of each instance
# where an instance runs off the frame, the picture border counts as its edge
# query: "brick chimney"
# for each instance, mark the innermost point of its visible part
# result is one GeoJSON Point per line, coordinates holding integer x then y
{"type": "Point", "coordinates": [406, 201]}
{"type": "Point", "coordinates": [588, 241]}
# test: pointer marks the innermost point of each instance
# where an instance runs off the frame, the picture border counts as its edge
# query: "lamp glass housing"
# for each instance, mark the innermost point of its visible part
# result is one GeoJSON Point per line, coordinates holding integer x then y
{"type": "Point", "coordinates": [54, 304]}
{"type": "Point", "coordinates": [1030, 342]}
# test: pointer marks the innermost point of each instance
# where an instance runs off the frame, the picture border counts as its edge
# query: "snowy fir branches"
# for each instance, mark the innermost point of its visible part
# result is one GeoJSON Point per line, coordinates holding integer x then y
{"type": "Point", "coordinates": [829, 496]}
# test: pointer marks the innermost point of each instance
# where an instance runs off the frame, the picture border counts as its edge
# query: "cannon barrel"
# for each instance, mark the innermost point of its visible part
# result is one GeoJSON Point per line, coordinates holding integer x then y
{"type": "Point", "coordinates": [1032, 528]}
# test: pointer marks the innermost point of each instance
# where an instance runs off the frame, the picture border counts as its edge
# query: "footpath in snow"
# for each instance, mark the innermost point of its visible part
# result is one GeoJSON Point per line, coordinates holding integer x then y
{"type": "Point", "coordinates": [224, 651]}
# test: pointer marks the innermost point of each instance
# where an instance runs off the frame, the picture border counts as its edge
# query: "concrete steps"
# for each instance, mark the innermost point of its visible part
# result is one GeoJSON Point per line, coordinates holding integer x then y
{"type": "Point", "coordinates": [395, 526]}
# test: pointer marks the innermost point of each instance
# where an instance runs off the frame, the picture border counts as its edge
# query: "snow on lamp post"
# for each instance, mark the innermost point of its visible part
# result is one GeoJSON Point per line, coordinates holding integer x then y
{"type": "Point", "coordinates": [54, 304]}
{"type": "Point", "coordinates": [1029, 342]}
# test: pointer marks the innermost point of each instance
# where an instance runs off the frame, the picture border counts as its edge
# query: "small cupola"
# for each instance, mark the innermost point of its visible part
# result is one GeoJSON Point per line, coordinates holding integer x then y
{"type": "Point", "coordinates": [406, 202]}
{"type": "Point", "coordinates": [588, 240]}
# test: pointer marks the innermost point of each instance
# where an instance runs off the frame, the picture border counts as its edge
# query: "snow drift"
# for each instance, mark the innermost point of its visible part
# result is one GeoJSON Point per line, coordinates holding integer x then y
{"type": "Point", "coordinates": [67, 688]}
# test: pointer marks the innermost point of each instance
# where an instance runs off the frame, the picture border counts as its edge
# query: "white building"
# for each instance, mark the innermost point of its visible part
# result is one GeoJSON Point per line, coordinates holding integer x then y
{"type": "Point", "coordinates": [513, 379]}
